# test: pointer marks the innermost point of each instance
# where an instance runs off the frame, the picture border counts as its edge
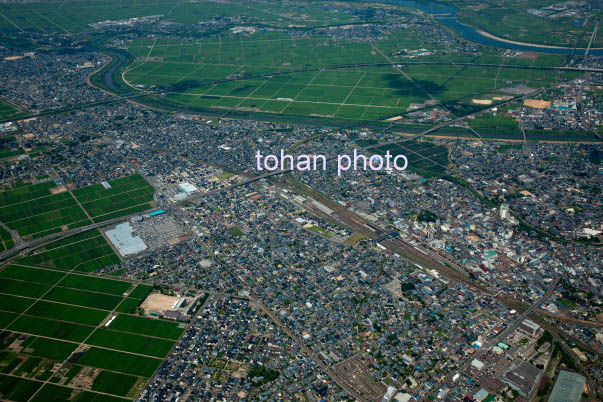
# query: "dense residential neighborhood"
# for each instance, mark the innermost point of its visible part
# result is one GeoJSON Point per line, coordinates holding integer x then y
{"type": "Point", "coordinates": [144, 256]}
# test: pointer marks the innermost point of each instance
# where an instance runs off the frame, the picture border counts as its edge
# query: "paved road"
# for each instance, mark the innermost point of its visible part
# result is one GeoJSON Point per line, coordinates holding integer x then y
{"type": "Point", "coordinates": [417, 253]}
{"type": "Point", "coordinates": [317, 359]}
{"type": "Point", "coordinates": [251, 179]}
{"type": "Point", "coordinates": [590, 42]}
{"type": "Point", "coordinates": [29, 245]}
{"type": "Point", "coordinates": [461, 118]}
{"type": "Point", "coordinates": [492, 342]}
{"type": "Point", "coordinates": [304, 348]}
{"type": "Point", "coordinates": [138, 95]}
{"type": "Point", "coordinates": [25, 246]}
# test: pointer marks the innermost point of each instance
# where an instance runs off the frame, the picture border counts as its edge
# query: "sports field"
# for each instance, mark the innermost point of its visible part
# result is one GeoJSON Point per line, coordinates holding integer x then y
{"type": "Point", "coordinates": [37, 210]}
{"type": "Point", "coordinates": [52, 311]}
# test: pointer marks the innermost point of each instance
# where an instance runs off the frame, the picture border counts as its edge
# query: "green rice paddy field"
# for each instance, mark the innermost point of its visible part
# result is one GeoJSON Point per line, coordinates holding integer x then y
{"type": "Point", "coordinates": [509, 19]}
{"type": "Point", "coordinates": [73, 17]}
{"type": "Point", "coordinates": [275, 74]}
{"type": "Point", "coordinates": [7, 110]}
{"type": "Point", "coordinates": [52, 311]}
{"type": "Point", "coordinates": [6, 240]}
{"type": "Point", "coordinates": [190, 69]}
{"type": "Point", "coordinates": [37, 210]}
{"type": "Point", "coordinates": [422, 155]}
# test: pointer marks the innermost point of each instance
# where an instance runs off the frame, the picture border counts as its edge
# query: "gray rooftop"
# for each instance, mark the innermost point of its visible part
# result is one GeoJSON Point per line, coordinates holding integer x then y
{"type": "Point", "coordinates": [568, 387]}
{"type": "Point", "coordinates": [125, 240]}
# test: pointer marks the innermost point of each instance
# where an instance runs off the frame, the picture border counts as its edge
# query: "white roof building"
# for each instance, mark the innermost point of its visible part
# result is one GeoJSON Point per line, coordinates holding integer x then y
{"type": "Point", "coordinates": [477, 364]}
{"type": "Point", "coordinates": [125, 240]}
{"type": "Point", "coordinates": [187, 187]}
{"type": "Point", "coordinates": [403, 397]}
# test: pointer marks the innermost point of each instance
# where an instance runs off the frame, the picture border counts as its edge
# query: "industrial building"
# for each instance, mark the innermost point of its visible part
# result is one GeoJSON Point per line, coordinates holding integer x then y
{"type": "Point", "coordinates": [125, 240]}
{"type": "Point", "coordinates": [568, 387]}
{"type": "Point", "coordinates": [188, 187]}
{"type": "Point", "coordinates": [529, 327]}
{"type": "Point", "coordinates": [523, 378]}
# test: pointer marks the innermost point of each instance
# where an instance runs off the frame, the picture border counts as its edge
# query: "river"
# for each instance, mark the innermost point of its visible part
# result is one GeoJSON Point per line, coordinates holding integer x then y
{"type": "Point", "coordinates": [446, 14]}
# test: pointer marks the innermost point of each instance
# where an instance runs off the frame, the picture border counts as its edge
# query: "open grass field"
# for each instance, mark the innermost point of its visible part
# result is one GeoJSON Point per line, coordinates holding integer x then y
{"type": "Point", "coordinates": [68, 313]}
{"type": "Point", "coordinates": [51, 328]}
{"type": "Point", "coordinates": [60, 321]}
{"type": "Point", "coordinates": [359, 95]}
{"type": "Point", "coordinates": [83, 298]}
{"type": "Point", "coordinates": [186, 67]}
{"type": "Point", "coordinates": [6, 318]}
{"type": "Point", "coordinates": [301, 79]}
{"type": "Point", "coordinates": [507, 19]}
{"type": "Point", "coordinates": [14, 304]}
{"type": "Point", "coordinates": [28, 366]}
{"type": "Point", "coordinates": [36, 210]}
{"type": "Point", "coordinates": [141, 292]}
{"type": "Point", "coordinates": [20, 288]}
{"type": "Point", "coordinates": [129, 305]}
{"type": "Point", "coordinates": [17, 389]}
{"type": "Point", "coordinates": [497, 126]}
{"type": "Point", "coordinates": [48, 348]}
{"type": "Point", "coordinates": [57, 393]}
{"type": "Point", "coordinates": [92, 284]}
{"type": "Point", "coordinates": [558, 135]}
{"type": "Point", "coordinates": [255, 53]}
{"type": "Point", "coordinates": [11, 153]}
{"type": "Point", "coordinates": [27, 274]}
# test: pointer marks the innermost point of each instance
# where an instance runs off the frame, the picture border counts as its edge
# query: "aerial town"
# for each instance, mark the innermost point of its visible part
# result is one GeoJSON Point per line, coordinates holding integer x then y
{"type": "Point", "coordinates": [145, 255]}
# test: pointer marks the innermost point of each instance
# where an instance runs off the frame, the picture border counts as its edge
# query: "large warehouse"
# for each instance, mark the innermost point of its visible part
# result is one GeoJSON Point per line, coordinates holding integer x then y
{"type": "Point", "coordinates": [125, 239]}
{"type": "Point", "coordinates": [568, 387]}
